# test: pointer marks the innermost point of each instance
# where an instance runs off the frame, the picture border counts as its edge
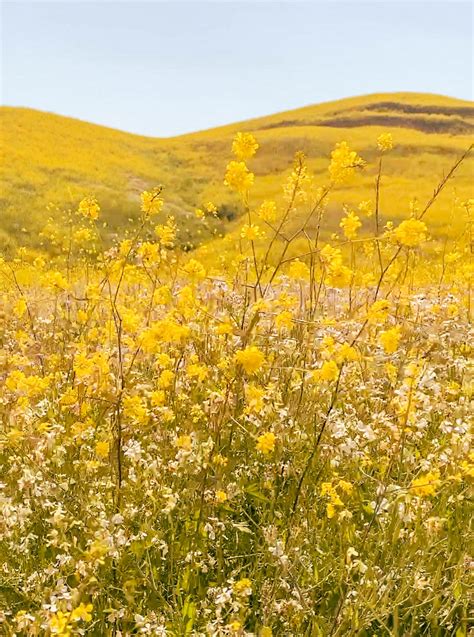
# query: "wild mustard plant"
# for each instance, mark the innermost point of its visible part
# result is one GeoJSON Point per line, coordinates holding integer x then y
{"type": "Point", "coordinates": [275, 446]}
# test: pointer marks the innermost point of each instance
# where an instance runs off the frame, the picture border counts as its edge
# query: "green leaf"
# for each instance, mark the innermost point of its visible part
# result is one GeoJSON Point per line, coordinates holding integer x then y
{"type": "Point", "coordinates": [253, 491]}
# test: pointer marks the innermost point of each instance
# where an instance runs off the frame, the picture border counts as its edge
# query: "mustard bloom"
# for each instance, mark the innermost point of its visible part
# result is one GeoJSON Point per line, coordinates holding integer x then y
{"type": "Point", "coordinates": [378, 311]}
{"type": "Point", "coordinates": [329, 371]}
{"type": "Point", "coordinates": [268, 211]}
{"type": "Point", "coordinates": [184, 442]}
{"type": "Point", "coordinates": [250, 358]}
{"type": "Point", "coordinates": [82, 612]}
{"type": "Point", "coordinates": [344, 162]}
{"type": "Point", "coordinates": [385, 142]}
{"type": "Point", "coordinates": [102, 449]}
{"type": "Point", "coordinates": [89, 208]}
{"type": "Point", "coordinates": [250, 232]}
{"type": "Point", "coordinates": [411, 233]}
{"type": "Point", "coordinates": [299, 270]}
{"type": "Point", "coordinates": [266, 442]}
{"type": "Point", "coordinates": [244, 146]}
{"type": "Point", "coordinates": [366, 207]}
{"type": "Point", "coordinates": [350, 224]}
{"type": "Point", "coordinates": [151, 201]}
{"type": "Point", "coordinates": [238, 177]}
{"type": "Point", "coordinates": [243, 587]}
{"type": "Point", "coordinates": [389, 340]}
{"type": "Point", "coordinates": [426, 484]}
{"type": "Point", "coordinates": [195, 270]}
{"type": "Point", "coordinates": [221, 496]}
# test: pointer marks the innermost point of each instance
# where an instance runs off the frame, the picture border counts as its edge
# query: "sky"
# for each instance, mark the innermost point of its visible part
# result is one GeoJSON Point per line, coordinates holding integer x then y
{"type": "Point", "coordinates": [166, 68]}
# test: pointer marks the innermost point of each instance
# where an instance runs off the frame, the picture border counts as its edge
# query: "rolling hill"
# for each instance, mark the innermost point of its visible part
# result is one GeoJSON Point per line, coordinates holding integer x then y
{"type": "Point", "coordinates": [50, 162]}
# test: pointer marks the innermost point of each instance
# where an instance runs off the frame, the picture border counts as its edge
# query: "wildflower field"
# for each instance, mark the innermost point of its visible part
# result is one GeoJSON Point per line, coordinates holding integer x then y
{"type": "Point", "coordinates": [268, 435]}
{"type": "Point", "coordinates": [49, 163]}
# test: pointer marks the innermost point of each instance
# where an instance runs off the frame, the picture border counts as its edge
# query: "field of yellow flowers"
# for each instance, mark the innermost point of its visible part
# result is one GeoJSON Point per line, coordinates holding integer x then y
{"type": "Point", "coordinates": [270, 441]}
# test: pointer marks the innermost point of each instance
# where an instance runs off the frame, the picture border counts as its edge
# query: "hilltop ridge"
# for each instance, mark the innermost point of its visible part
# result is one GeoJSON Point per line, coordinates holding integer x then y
{"type": "Point", "coordinates": [378, 104]}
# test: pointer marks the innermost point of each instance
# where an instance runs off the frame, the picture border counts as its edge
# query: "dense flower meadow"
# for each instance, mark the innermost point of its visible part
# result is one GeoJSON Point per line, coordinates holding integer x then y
{"type": "Point", "coordinates": [271, 441]}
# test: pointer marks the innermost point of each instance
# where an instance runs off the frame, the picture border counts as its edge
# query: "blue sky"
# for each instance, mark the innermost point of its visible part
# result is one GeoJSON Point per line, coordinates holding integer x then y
{"type": "Point", "coordinates": [164, 68]}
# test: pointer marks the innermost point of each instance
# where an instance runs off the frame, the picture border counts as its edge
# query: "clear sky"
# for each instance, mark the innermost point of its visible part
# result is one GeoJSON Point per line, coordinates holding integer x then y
{"type": "Point", "coordinates": [164, 68]}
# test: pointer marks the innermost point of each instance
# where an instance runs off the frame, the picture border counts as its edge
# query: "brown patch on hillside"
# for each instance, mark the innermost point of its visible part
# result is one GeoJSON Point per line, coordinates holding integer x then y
{"type": "Point", "coordinates": [429, 124]}
{"type": "Point", "coordinates": [450, 125]}
{"type": "Point", "coordinates": [425, 109]}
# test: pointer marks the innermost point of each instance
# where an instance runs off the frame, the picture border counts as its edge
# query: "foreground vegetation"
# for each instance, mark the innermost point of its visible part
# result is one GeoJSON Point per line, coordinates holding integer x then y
{"type": "Point", "coordinates": [274, 441]}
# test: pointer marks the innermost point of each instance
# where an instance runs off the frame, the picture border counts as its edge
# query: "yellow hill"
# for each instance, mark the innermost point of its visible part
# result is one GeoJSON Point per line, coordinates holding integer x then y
{"type": "Point", "coordinates": [50, 162]}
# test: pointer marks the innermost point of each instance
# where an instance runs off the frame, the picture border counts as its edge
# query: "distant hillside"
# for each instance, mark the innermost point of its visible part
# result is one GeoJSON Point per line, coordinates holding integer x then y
{"type": "Point", "coordinates": [50, 162]}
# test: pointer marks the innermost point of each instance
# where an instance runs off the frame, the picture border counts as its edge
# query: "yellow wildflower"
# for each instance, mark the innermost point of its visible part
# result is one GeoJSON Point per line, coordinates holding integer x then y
{"type": "Point", "coordinates": [254, 398]}
{"type": "Point", "coordinates": [184, 442]}
{"type": "Point", "coordinates": [344, 162]}
{"type": "Point", "coordinates": [166, 379]}
{"type": "Point", "coordinates": [391, 372]}
{"type": "Point", "coordinates": [56, 280]}
{"type": "Point", "coordinates": [15, 435]}
{"type": "Point", "coordinates": [411, 232]}
{"type": "Point", "coordinates": [238, 177]}
{"type": "Point", "coordinates": [426, 484]}
{"type": "Point", "coordinates": [266, 442]}
{"type": "Point", "coordinates": [350, 224]}
{"type": "Point", "coordinates": [158, 398]}
{"type": "Point", "coordinates": [149, 252]}
{"type": "Point", "coordinates": [378, 311]}
{"type": "Point", "coordinates": [102, 449]}
{"type": "Point", "coordinates": [89, 208]}
{"type": "Point", "coordinates": [195, 370]}
{"type": "Point", "coordinates": [268, 211]}
{"type": "Point", "coordinates": [211, 208]}
{"type": "Point", "coordinates": [250, 232]}
{"type": "Point", "coordinates": [20, 307]}
{"type": "Point", "coordinates": [83, 235]}
{"type": "Point", "coordinates": [221, 496]}
{"type": "Point", "coordinates": [163, 331]}
{"type": "Point", "coordinates": [59, 624]}
{"type": "Point", "coordinates": [244, 146]}
{"type": "Point", "coordinates": [250, 358]}
{"type": "Point", "coordinates": [330, 510]}
{"type": "Point", "coordinates": [389, 339]}
{"type": "Point", "coordinates": [82, 612]}
{"type": "Point", "coordinates": [467, 466]}
{"type": "Point", "coordinates": [219, 460]}
{"type": "Point", "coordinates": [330, 256]}
{"type": "Point", "coordinates": [339, 275]}
{"type": "Point", "coordinates": [224, 328]}
{"type": "Point", "coordinates": [329, 371]}
{"type": "Point", "coordinates": [299, 270]}
{"type": "Point", "coordinates": [135, 409]}
{"type": "Point", "coordinates": [151, 201]}
{"type": "Point", "coordinates": [166, 233]}
{"type": "Point", "coordinates": [385, 142]}
{"type": "Point", "coordinates": [347, 353]}
{"type": "Point", "coordinates": [366, 207]}
{"type": "Point", "coordinates": [346, 486]}
{"type": "Point", "coordinates": [328, 490]}
{"type": "Point", "coordinates": [243, 587]}
{"type": "Point", "coordinates": [284, 320]}
{"type": "Point", "coordinates": [69, 398]}
{"type": "Point", "coordinates": [195, 270]}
